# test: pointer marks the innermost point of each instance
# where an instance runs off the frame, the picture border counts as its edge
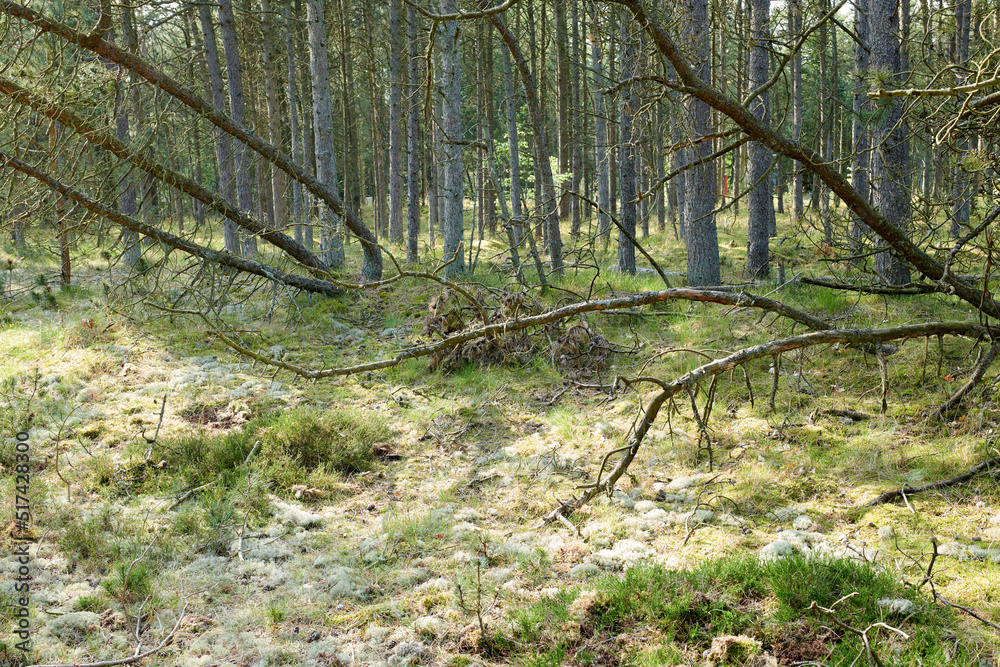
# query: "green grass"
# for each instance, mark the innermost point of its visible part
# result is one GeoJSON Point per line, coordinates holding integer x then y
{"type": "Point", "coordinates": [730, 596]}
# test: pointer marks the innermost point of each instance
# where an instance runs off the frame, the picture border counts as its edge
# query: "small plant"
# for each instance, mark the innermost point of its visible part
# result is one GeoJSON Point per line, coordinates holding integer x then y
{"type": "Point", "coordinates": [129, 581]}
{"type": "Point", "coordinates": [276, 612]}
{"type": "Point", "coordinates": [88, 603]}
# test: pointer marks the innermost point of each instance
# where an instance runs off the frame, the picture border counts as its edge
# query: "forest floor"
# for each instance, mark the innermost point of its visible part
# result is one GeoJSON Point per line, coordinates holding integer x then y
{"type": "Point", "coordinates": [395, 517]}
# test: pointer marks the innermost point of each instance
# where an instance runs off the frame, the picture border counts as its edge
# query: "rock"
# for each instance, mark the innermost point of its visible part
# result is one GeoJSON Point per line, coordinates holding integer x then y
{"type": "Point", "coordinates": [954, 549]}
{"type": "Point", "coordinates": [430, 626]}
{"type": "Point", "coordinates": [847, 421]}
{"type": "Point", "coordinates": [775, 550]}
{"type": "Point", "coordinates": [802, 522]}
{"type": "Point", "coordinates": [584, 571]}
{"type": "Point", "coordinates": [697, 516]}
{"type": "Point", "coordinates": [277, 352]}
{"type": "Point", "coordinates": [886, 533]}
{"type": "Point", "coordinates": [73, 628]}
{"type": "Point", "coordinates": [900, 607]}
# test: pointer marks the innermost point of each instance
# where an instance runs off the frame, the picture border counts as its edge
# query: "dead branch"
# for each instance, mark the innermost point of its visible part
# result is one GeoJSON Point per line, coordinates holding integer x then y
{"type": "Point", "coordinates": [715, 367]}
{"type": "Point", "coordinates": [907, 490]}
{"type": "Point", "coordinates": [863, 634]}
{"type": "Point", "coordinates": [912, 288]}
{"type": "Point", "coordinates": [852, 414]}
{"type": "Point", "coordinates": [988, 358]}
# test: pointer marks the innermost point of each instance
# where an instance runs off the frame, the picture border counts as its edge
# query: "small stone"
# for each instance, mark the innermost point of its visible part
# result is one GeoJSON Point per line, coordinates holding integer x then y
{"type": "Point", "coordinates": [847, 421]}
{"type": "Point", "coordinates": [900, 607]}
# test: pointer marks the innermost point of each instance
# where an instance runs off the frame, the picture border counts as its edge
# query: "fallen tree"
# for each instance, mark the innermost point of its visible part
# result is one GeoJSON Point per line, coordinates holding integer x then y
{"type": "Point", "coordinates": [167, 239]}
{"type": "Point", "coordinates": [372, 261]}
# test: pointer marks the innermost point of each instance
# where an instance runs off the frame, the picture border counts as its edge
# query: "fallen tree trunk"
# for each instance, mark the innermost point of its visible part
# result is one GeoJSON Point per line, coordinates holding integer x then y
{"type": "Point", "coordinates": [129, 222]}
{"type": "Point", "coordinates": [372, 266]}
{"type": "Point", "coordinates": [502, 328]}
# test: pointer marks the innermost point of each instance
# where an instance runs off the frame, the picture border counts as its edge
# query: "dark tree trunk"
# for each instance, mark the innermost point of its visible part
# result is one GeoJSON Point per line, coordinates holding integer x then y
{"type": "Point", "coordinates": [760, 207]}
{"type": "Point", "coordinates": [412, 139]}
{"type": "Point", "coordinates": [627, 154]}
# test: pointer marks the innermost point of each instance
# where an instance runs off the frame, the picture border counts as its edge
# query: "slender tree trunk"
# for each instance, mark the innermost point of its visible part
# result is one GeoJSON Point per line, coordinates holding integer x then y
{"type": "Point", "coordinates": [699, 197]}
{"type": "Point", "coordinates": [890, 159]}
{"type": "Point", "coordinates": [961, 190]}
{"type": "Point", "coordinates": [516, 213]}
{"type": "Point", "coordinates": [794, 29]}
{"type": "Point", "coordinates": [576, 148]}
{"type": "Point", "coordinates": [272, 92]}
{"type": "Point", "coordinates": [601, 150]}
{"type": "Point", "coordinates": [412, 139]}
{"type": "Point", "coordinates": [627, 153]}
{"type": "Point", "coordinates": [549, 206]}
{"type": "Point", "coordinates": [331, 245]}
{"type": "Point", "coordinates": [860, 138]}
{"type": "Point", "coordinates": [237, 110]}
{"type": "Point", "coordinates": [451, 125]}
{"type": "Point", "coordinates": [298, 218]}
{"type": "Point", "coordinates": [760, 207]}
{"type": "Point", "coordinates": [395, 122]}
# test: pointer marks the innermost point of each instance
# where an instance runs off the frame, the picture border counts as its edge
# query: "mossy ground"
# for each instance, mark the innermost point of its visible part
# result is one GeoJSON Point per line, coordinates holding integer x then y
{"type": "Point", "coordinates": [417, 476]}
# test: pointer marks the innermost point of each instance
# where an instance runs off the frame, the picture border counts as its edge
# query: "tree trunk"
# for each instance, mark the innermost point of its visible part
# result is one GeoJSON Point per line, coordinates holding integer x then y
{"type": "Point", "coordinates": [298, 219]}
{"type": "Point", "coordinates": [628, 101]}
{"type": "Point", "coordinates": [412, 139]}
{"type": "Point", "coordinates": [601, 151]}
{"type": "Point", "coordinates": [451, 126]}
{"type": "Point", "coordinates": [516, 213]}
{"type": "Point", "coordinates": [961, 190]}
{"type": "Point", "coordinates": [860, 138]}
{"type": "Point", "coordinates": [760, 206]}
{"type": "Point", "coordinates": [395, 122]}
{"type": "Point", "coordinates": [237, 111]}
{"type": "Point", "coordinates": [699, 195]}
{"type": "Point", "coordinates": [331, 244]}
{"type": "Point", "coordinates": [550, 210]}
{"type": "Point", "coordinates": [272, 93]}
{"type": "Point", "coordinates": [890, 159]}
{"type": "Point", "coordinates": [794, 29]}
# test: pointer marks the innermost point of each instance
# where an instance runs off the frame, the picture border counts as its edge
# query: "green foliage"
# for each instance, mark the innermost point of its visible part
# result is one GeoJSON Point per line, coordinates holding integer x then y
{"type": "Point", "coordinates": [129, 581]}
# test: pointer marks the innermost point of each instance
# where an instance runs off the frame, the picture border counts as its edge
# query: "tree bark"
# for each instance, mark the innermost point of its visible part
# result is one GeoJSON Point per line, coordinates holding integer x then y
{"type": "Point", "coordinates": [412, 139]}
{"type": "Point", "coordinates": [372, 265]}
{"type": "Point", "coordinates": [760, 207]}
{"type": "Point", "coordinates": [272, 93]}
{"type": "Point", "coordinates": [627, 153]}
{"type": "Point", "coordinates": [602, 155]}
{"type": "Point", "coordinates": [516, 212]}
{"type": "Point", "coordinates": [395, 122]}
{"type": "Point", "coordinates": [451, 126]}
{"type": "Point", "coordinates": [890, 157]}
{"type": "Point", "coordinates": [699, 196]}
{"type": "Point", "coordinates": [299, 219]}
{"type": "Point", "coordinates": [237, 111]}
{"type": "Point", "coordinates": [961, 190]}
{"type": "Point", "coordinates": [794, 29]}
{"type": "Point", "coordinates": [859, 127]}
{"type": "Point", "coordinates": [550, 210]}
{"type": "Point", "coordinates": [331, 243]}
